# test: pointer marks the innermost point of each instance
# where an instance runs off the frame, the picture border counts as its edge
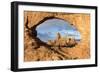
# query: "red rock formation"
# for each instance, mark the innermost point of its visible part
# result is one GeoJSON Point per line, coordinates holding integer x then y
{"type": "Point", "coordinates": [81, 51]}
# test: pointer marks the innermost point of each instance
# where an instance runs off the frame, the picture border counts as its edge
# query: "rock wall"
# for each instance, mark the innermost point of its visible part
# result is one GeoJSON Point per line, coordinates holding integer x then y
{"type": "Point", "coordinates": [81, 51]}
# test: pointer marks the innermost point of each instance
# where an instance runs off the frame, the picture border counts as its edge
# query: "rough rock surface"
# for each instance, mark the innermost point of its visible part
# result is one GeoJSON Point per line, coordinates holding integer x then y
{"type": "Point", "coordinates": [43, 53]}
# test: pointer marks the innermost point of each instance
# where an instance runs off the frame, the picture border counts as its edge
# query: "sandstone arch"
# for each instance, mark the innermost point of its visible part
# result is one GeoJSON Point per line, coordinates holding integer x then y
{"type": "Point", "coordinates": [80, 21]}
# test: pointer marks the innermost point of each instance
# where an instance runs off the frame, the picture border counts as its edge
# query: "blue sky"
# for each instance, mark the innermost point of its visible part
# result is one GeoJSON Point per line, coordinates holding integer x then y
{"type": "Point", "coordinates": [48, 30]}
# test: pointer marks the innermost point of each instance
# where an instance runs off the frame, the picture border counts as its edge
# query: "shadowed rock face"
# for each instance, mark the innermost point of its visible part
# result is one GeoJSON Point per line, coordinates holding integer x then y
{"type": "Point", "coordinates": [37, 50]}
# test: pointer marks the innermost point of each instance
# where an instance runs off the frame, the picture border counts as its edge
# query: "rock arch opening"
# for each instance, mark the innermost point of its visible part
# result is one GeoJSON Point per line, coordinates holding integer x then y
{"type": "Point", "coordinates": [57, 32]}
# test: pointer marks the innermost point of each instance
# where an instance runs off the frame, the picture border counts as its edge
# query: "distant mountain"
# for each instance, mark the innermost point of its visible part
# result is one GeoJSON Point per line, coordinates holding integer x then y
{"type": "Point", "coordinates": [44, 37]}
{"type": "Point", "coordinates": [71, 33]}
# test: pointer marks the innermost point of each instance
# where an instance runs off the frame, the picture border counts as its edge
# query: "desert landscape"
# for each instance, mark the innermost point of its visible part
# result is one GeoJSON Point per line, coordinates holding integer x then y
{"type": "Point", "coordinates": [61, 48]}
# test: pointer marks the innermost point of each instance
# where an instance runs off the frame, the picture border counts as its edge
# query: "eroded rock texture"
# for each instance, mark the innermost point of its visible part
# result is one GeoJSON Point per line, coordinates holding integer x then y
{"type": "Point", "coordinates": [37, 51]}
